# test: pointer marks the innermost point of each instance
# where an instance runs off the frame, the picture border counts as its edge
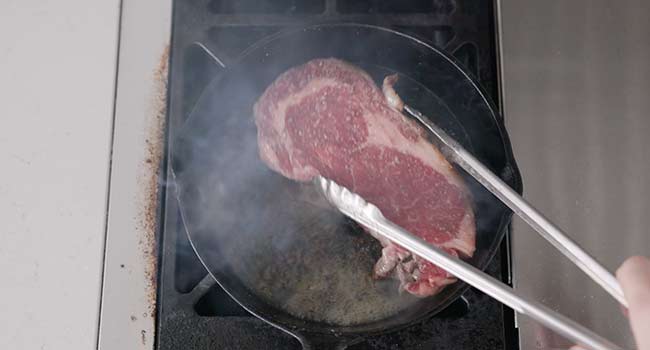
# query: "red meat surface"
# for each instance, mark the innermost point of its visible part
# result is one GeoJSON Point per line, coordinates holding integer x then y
{"type": "Point", "coordinates": [328, 117]}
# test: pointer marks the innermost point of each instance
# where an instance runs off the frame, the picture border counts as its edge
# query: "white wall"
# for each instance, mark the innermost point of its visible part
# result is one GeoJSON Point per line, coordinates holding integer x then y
{"type": "Point", "coordinates": [577, 83]}
{"type": "Point", "coordinates": [57, 69]}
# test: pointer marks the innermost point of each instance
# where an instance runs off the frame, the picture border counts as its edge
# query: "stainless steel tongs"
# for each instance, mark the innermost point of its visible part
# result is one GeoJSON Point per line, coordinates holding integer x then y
{"type": "Point", "coordinates": [457, 154]}
{"type": "Point", "coordinates": [355, 207]}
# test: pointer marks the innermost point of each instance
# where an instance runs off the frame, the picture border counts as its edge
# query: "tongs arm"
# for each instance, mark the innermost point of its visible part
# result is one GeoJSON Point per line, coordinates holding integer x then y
{"type": "Point", "coordinates": [355, 207]}
{"type": "Point", "coordinates": [457, 154]}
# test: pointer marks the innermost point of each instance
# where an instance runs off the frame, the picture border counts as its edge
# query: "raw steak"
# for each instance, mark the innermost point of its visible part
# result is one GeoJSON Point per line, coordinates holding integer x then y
{"type": "Point", "coordinates": [328, 117]}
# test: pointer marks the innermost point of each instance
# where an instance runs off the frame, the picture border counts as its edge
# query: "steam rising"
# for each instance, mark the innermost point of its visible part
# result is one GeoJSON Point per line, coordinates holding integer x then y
{"type": "Point", "coordinates": [278, 237]}
{"type": "Point", "coordinates": [282, 239]}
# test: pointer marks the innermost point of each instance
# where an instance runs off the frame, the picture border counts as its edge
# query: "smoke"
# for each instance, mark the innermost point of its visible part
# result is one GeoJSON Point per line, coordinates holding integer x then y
{"type": "Point", "coordinates": [274, 234]}
{"type": "Point", "coordinates": [279, 237]}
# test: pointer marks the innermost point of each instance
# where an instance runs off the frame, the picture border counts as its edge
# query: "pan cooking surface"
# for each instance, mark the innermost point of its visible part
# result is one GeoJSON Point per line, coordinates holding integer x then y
{"type": "Point", "coordinates": [273, 244]}
{"type": "Point", "coordinates": [320, 269]}
{"type": "Point", "coordinates": [300, 254]}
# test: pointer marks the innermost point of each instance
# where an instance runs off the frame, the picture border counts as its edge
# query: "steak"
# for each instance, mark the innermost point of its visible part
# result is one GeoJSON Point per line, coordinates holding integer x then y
{"type": "Point", "coordinates": [328, 117]}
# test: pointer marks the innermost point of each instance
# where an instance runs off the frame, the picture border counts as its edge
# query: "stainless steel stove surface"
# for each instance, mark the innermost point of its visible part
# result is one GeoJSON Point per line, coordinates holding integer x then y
{"type": "Point", "coordinates": [193, 312]}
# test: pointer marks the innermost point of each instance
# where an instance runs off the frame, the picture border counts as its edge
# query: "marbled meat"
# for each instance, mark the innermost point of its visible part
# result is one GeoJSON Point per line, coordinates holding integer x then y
{"type": "Point", "coordinates": [328, 117]}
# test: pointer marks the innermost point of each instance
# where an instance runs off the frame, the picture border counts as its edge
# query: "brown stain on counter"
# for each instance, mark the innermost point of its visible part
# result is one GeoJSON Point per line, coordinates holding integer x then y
{"type": "Point", "coordinates": [149, 176]}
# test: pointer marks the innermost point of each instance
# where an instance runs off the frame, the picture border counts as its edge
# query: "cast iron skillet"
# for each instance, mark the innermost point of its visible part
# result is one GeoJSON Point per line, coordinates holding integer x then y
{"type": "Point", "coordinates": [268, 241]}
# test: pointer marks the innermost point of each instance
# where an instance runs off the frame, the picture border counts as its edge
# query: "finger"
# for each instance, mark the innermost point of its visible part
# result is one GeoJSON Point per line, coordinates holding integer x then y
{"type": "Point", "coordinates": [634, 276]}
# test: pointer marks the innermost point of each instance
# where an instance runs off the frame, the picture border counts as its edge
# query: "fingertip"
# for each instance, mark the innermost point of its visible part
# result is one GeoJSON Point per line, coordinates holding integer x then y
{"type": "Point", "coordinates": [632, 263]}
{"type": "Point", "coordinates": [634, 276]}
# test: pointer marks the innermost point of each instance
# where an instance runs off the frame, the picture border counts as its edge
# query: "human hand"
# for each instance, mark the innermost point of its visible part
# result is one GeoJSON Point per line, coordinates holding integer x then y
{"type": "Point", "coordinates": [634, 277]}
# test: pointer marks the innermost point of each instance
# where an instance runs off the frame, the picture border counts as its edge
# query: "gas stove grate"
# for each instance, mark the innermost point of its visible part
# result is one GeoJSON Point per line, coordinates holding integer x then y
{"type": "Point", "coordinates": [193, 311]}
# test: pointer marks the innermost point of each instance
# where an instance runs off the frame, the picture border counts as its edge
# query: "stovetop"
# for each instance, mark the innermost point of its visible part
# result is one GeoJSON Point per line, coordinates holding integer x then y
{"type": "Point", "coordinates": [193, 311]}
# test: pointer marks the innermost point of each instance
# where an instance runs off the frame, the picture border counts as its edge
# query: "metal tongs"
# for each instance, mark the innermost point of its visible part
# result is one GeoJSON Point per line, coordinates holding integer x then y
{"type": "Point", "coordinates": [355, 207]}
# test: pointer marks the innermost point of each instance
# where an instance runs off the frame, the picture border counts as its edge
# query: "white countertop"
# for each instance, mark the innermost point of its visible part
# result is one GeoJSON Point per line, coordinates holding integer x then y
{"type": "Point", "coordinates": [57, 72]}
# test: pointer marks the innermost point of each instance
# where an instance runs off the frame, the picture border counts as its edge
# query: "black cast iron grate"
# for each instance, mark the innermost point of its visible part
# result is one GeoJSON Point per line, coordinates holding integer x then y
{"type": "Point", "coordinates": [193, 311]}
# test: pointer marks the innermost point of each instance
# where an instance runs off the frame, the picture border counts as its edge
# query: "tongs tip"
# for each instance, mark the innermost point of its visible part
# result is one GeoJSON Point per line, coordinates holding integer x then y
{"type": "Point", "coordinates": [345, 200]}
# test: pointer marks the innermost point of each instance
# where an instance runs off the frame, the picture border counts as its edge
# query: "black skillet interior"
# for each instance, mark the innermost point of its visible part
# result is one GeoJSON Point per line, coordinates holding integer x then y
{"type": "Point", "coordinates": [256, 231]}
